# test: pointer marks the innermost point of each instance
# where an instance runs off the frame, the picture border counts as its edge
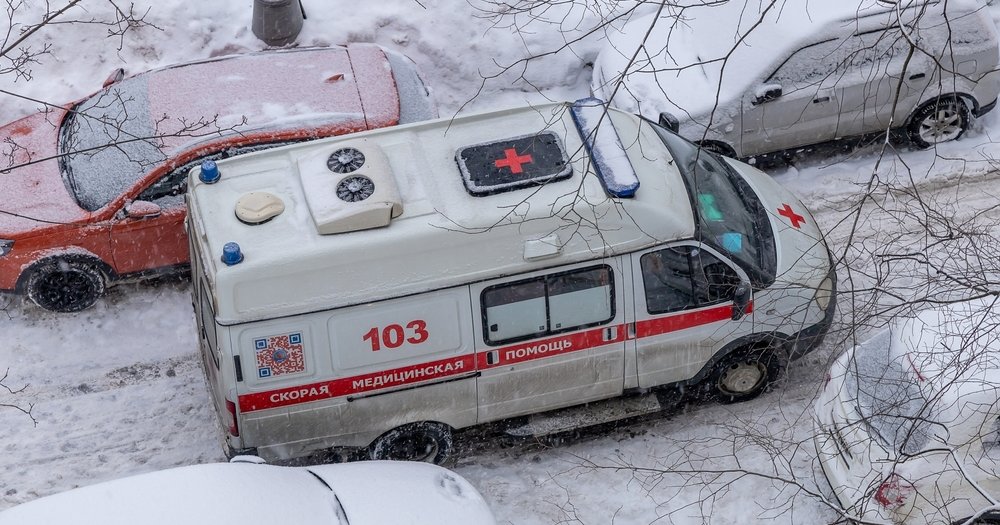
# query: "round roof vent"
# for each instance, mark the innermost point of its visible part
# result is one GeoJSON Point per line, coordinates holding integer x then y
{"type": "Point", "coordinates": [355, 189]}
{"type": "Point", "coordinates": [345, 160]}
{"type": "Point", "coordinates": [258, 207]}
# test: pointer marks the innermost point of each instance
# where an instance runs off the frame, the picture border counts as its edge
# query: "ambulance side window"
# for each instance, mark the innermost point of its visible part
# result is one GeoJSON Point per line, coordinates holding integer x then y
{"type": "Point", "coordinates": [683, 277]}
{"type": "Point", "coordinates": [548, 305]}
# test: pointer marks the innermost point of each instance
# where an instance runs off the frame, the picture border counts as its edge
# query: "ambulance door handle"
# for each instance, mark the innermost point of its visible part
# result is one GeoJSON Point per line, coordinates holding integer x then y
{"type": "Point", "coordinates": [917, 76]}
{"type": "Point", "coordinates": [611, 333]}
{"type": "Point", "coordinates": [492, 357]}
{"type": "Point", "coordinates": [631, 331]}
{"type": "Point", "coordinates": [239, 368]}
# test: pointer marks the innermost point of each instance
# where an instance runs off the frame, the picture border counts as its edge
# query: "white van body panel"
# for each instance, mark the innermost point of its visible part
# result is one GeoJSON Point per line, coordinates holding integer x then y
{"type": "Point", "coordinates": [356, 392]}
{"type": "Point", "coordinates": [468, 305]}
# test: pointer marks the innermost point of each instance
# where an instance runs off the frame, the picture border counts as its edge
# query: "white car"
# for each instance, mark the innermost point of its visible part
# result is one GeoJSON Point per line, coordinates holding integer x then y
{"type": "Point", "coordinates": [748, 81]}
{"type": "Point", "coordinates": [907, 425]}
{"type": "Point", "coordinates": [363, 493]}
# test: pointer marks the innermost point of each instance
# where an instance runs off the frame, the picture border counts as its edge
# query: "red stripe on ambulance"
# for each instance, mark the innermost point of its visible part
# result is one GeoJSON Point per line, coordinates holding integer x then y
{"type": "Point", "coordinates": [673, 323]}
{"type": "Point", "coordinates": [509, 355]}
{"type": "Point", "coordinates": [506, 355]}
{"type": "Point", "coordinates": [357, 384]}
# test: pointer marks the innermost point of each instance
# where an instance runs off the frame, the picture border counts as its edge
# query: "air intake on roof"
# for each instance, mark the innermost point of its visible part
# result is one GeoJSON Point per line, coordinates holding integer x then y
{"type": "Point", "coordinates": [355, 189]}
{"type": "Point", "coordinates": [345, 160]}
{"type": "Point", "coordinates": [350, 187]}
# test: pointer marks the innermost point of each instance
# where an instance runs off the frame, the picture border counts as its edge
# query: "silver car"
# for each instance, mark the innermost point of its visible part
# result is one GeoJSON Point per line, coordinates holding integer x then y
{"type": "Point", "coordinates": [746, 82]}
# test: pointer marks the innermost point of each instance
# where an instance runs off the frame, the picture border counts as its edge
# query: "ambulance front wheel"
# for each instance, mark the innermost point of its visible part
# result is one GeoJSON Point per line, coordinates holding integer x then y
{"type": "Point", "coordinates": [425, 441]}
{"type": "Point", "coordinates": [744, 374]}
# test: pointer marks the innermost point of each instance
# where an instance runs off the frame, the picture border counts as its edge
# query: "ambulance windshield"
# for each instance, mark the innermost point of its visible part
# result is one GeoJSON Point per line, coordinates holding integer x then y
{"type": "Point", "coordinates": [729, 215]}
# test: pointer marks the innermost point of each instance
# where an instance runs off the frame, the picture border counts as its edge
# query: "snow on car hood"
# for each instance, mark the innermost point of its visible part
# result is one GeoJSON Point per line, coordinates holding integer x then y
{"type": "Point", "coordinates": [34, 195]}
{"type": "Point", "coordinates": [404, 493]}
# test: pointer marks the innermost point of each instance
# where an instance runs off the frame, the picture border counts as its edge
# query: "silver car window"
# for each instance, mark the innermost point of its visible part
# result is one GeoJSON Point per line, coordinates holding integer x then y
{"type": "Point", "coordinates": [808, 66]}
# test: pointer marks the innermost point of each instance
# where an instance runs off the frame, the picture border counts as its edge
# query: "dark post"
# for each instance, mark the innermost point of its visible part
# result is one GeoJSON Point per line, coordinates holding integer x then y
{"type": "Point", "coordinates": [277, 22]}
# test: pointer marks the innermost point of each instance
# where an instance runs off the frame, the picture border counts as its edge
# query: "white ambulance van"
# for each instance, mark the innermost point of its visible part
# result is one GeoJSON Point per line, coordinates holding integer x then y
{"type": "Point", "coordinates": [375, 292]}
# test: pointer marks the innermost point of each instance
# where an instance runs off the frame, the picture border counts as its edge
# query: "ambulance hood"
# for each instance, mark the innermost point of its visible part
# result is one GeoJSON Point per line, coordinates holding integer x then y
{"type": "Point", "coordinates": [802, 256]}
{"type": "Point", "coordinates": [386, 491]}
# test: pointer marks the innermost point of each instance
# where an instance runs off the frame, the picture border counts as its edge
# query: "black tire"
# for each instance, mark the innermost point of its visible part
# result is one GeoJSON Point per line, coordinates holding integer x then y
{"type": "Point", "coordinates": [940, 120]}
{"type": "Point", "coordinates": [744, 374]}
{"type": "Point", "coordinates": [65, 286]}
{"type": "Point", "coordinates": [427, 442]}
{"type": "Point", "coordinates": [719, 148]}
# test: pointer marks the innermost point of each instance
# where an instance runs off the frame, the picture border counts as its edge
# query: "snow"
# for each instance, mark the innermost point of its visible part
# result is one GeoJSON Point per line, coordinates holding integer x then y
{"type": "Point", "coordinates": [118, 389]}
{"type": "Point", "coordinates": [697, 61]}
{"type": "Point", "coordinates": [265, 494]}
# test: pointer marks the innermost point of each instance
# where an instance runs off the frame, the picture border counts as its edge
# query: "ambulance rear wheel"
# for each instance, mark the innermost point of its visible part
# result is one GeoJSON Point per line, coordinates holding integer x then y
{"type": "Point", "coordinates": [744, 374]}
{"type": "Point", "coordinates": [427, 442]}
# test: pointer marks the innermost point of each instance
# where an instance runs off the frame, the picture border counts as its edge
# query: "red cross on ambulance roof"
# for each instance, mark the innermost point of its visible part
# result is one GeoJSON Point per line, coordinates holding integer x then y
{"type": "Point", "coordinates": [513, 161]}
{"type": "Point", "coordinates": [794, 218]}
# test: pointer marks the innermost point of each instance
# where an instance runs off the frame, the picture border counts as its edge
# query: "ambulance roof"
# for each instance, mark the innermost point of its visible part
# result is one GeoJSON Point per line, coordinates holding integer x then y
{"type": "Point", "coordinates": [432, 205]}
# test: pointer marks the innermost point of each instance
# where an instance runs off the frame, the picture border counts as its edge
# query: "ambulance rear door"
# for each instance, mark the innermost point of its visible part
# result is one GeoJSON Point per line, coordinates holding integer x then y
{"type": "Point", "coordinates": [343, 377]}
{"type": "Point", "coordinates": [550, 339]}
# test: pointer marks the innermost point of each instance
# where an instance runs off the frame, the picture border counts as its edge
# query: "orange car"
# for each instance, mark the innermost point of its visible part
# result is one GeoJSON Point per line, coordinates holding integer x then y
{"type": "Point", "coordinates": [93, 192]}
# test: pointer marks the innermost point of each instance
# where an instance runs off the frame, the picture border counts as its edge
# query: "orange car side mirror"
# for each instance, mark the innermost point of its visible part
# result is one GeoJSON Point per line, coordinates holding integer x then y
{"type": "Point", "coordinates": [115, 77]}
{"type": "Point", "coordinates": [142, 210]}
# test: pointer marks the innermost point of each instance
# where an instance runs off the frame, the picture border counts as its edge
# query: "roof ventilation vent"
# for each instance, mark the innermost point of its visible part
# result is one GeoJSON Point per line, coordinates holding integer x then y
{"type": "Point", "coordinates": [359, 194]}
{"type": "Point", "coordinates": [345, 160]}
{"type": "Point", "coordinates": [355, 189]}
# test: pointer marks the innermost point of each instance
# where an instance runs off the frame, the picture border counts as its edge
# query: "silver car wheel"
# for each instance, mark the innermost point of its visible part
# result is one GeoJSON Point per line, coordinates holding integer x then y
{"type": "Point", "coordinates": [939, 120]}
{"type": "Point", "coordinates": [944, 124]}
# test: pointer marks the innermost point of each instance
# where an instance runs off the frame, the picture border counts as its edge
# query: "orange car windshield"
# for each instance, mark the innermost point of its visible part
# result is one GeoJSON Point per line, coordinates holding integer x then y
{"type": "Point", "coordinates": [108, 142]}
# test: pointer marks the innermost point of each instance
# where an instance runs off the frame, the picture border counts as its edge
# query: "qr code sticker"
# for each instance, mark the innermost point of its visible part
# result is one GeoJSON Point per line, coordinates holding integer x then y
{"type": "Point", "coordinates": [279, 355]}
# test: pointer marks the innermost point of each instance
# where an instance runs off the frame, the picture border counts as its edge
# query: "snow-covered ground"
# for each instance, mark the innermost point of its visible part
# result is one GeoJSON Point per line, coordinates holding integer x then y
{"type": "Point", "coordinates": [118, 389]}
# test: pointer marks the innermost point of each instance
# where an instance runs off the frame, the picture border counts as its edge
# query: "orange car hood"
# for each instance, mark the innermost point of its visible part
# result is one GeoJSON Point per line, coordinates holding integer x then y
{"type": "Point", "coordinates": [33, 196]}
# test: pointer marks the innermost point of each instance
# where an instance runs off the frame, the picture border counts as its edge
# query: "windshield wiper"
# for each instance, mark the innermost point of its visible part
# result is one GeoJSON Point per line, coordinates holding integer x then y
{"type": "Point", "coordinates": [65, 133]}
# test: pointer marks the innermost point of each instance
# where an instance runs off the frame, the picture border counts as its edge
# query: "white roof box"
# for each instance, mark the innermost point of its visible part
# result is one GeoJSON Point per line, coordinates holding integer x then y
{"type": "Point", "coordinates": [349, 186]}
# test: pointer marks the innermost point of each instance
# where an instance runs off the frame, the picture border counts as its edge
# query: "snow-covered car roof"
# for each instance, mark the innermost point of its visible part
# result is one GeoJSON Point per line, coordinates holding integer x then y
{"type": "Point", "coordinates": [696, 56]}
{"type": "Point", "coordinates": [364, 493]}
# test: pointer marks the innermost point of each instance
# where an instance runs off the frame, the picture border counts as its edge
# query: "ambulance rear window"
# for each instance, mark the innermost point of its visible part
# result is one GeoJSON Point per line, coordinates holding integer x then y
{"type": "Point", "coordinates": [513, 163]}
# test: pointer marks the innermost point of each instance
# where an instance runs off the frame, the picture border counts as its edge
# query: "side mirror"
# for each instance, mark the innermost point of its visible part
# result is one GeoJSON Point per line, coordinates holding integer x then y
{"type": "Point", "coordinates": [142, 210]}
{"type": "Point", "coordinates": [766, 93]}
{"type": "Point", "coordinates": [741, 300]}
{"type": "Point", "coordinates": [670, 122]}
{"type": "Point", "coordinates": [115, 77]}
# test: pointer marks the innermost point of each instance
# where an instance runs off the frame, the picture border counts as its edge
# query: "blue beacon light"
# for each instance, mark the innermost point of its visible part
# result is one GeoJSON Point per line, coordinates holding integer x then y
{"type": "Point", "coordinates": [231, 254]}
{"type": "Point", "coordinates": [209, 172]}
